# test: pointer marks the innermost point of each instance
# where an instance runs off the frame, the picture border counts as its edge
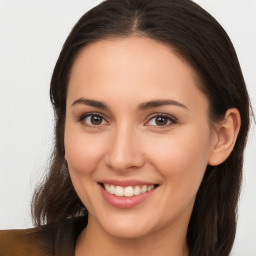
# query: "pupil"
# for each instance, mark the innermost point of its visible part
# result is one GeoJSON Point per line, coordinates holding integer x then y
{"type": "Point", "coordinates": [161, 121]}
{"type": "Point", "coordinates": [96, 120]}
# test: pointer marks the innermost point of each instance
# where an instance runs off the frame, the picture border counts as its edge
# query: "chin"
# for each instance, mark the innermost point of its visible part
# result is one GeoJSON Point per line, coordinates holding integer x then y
{"type": "Point", "coordinates": [131, 232]}
{"type": "Point", "coordinates": [130, 228]}
{"type": "Point", "coordinates": [120, 223]}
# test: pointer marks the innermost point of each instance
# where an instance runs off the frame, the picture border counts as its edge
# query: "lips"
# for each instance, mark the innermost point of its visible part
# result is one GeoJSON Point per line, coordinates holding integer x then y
{"type": "Point", "coordinates": [127, 191]}
{"type": "Point", "coordinates": [126, 194]}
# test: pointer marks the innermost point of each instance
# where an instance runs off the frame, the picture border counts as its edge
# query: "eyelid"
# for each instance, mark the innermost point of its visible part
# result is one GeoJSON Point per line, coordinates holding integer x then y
{"type": "Point", "coordinates": [172, 119]}
{"type": "Point", "coordinates": [83, 116]}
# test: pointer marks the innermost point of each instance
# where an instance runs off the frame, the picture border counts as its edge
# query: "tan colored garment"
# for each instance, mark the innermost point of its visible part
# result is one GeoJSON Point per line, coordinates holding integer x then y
{"type": "Point", "coordinates": [50, 240]}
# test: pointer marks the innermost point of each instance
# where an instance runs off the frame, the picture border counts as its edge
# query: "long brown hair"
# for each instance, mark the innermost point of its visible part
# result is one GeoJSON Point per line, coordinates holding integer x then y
{"type": "Point", "coordinates": [198, 38]}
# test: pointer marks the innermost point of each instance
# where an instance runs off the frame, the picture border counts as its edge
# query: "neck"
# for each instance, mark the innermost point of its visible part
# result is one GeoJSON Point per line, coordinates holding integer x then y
{"type": "Point", "coordinates": [95, 241]}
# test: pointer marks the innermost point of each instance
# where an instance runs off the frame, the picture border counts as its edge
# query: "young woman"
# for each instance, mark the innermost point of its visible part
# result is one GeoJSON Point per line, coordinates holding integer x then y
{"type": "Point", "coordinates": [152, 116]}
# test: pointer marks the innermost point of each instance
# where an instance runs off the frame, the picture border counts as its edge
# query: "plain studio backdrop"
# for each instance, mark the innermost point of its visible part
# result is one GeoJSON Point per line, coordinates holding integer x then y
{"type": "Point", "coordinates": [31, 36]}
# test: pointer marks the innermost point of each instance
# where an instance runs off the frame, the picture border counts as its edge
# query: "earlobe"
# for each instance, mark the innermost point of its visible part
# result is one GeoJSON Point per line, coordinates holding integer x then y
{"type": "Point", "coordinates": [227, 131]}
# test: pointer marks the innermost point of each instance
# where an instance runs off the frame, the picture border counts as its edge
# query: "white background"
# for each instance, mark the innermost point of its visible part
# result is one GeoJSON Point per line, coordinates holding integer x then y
{"type": "Point", "coordinates": [31, 36]}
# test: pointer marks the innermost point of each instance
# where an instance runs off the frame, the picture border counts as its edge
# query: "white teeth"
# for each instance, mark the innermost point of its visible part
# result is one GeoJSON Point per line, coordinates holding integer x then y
{"type": "Point", "coordinates": [149, 188]}
{"type": "Point", "coordinates": [127, 191]}
{"type": "Point", "coordinates": [107, 187]}
{"type": "Point", "coordinates": [144, 189]}
{"type": "Point", "coordinates": [136, 190]}
{"type": "Point", "coordinates": [119, 191]}
{"type": "Point", "coordinates": [112, 189]}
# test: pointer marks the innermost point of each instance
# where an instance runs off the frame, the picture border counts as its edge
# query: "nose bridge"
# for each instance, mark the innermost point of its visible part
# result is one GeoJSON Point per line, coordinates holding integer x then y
{"type": "Point", "coordinates": [124, 150]}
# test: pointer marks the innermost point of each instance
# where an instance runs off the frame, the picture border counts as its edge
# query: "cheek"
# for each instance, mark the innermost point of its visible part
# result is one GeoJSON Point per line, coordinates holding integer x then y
{"type": "Point", "coordinates": [182, 158]}
{"type": "Point", "coordinates": [83, 153]}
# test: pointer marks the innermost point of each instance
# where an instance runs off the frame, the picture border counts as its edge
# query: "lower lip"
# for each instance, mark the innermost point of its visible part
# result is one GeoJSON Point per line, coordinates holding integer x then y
{"type": "Point", "coordinates": [125, 202]}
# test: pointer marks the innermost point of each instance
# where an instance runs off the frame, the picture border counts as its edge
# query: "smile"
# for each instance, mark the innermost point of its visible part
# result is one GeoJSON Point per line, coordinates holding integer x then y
{"type": "Point", "coordinates": [126, 194]}
{"type": "Point", "coordinates": [128, 191]}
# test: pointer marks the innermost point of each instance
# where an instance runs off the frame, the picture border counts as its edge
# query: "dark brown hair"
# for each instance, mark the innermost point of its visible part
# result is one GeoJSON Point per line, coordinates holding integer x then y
{"type": "Point", "coordinates": [198, 38]}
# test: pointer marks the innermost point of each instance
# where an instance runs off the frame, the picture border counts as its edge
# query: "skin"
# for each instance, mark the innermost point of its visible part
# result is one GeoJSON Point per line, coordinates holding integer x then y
{"type": "Point", "coordinates": [128, 143]}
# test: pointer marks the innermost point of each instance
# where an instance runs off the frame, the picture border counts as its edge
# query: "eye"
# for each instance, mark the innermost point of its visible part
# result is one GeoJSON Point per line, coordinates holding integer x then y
{"type": "Point", "coordinates": [161, 120]}
{"type": "Point", "coordinates": [93, 120]}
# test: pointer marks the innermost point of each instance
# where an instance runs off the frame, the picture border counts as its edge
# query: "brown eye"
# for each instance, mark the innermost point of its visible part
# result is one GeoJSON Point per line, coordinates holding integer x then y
{"type": "Point", "coordinates": [94, 120]}
{"type": "Point", "coordinates": [161, 120]}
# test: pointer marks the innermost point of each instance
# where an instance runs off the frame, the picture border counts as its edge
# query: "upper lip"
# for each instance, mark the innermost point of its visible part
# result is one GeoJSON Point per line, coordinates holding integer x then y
{"type": "Point", "coordinates": [126, 183]}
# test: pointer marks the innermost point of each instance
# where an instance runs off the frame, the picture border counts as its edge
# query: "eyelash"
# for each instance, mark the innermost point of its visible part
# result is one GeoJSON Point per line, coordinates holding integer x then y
{"type": "Point", "coordinates": [82, 118]}
{"type": "Point", "coordinates": [170, 119]}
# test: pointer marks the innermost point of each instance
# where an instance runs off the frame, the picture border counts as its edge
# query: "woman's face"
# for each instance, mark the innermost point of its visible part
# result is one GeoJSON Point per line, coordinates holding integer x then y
{"type": "Point", "coordinates": [137, 136]}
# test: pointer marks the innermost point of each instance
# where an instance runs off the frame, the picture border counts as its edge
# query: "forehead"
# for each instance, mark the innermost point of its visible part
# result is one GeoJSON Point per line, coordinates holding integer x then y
{"type": "Point", "coordinates": [117, 53]}
{"type": "Point", "coordinates": [129, 65]}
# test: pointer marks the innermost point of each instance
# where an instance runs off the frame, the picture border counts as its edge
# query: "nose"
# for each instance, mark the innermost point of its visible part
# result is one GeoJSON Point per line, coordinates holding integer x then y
{"type": "Point", "coordinates": [125, 150]}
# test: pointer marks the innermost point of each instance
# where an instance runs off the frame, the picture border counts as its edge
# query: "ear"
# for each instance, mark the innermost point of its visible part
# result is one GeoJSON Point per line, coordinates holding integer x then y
{"type": "Point", "coordinates": [226, 131]}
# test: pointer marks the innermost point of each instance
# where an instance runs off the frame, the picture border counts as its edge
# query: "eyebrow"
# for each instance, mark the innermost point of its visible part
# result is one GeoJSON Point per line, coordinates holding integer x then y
{"type": "Point", "coordinates": [159, 103]}
{"type": "Point", "coordinates": [142, 106]}
{"type": "Point", "coordinates": [93, 103]}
